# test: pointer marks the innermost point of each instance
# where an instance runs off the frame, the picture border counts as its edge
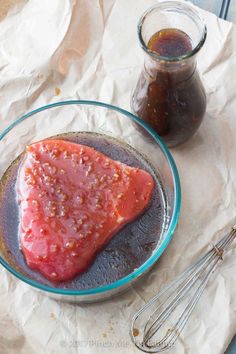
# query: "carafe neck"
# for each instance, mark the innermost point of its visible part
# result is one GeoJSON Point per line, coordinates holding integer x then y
{"type": "Point", "coordinates": [178, 70]}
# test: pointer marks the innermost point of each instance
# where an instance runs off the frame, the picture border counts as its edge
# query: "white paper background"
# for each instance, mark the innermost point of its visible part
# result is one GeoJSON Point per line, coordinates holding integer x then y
{"type": "Point", "coordinates": [88, 49]}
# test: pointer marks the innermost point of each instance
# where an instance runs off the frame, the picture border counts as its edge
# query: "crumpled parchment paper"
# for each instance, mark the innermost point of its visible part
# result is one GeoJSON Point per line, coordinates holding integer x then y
{"type": "Point", "coordinates": [55, 50]}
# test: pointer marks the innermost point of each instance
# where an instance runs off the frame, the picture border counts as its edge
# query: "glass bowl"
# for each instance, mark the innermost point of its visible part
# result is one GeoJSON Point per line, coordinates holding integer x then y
{"type": "Point", "coordinates": [116, 123]}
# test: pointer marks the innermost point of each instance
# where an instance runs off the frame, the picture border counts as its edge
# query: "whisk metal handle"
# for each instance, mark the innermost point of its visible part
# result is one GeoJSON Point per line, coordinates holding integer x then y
{"type": "Point", "coordinates": [192, 283]}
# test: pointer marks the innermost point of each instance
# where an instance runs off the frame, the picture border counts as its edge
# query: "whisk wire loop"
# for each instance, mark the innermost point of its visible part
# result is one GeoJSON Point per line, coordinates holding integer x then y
{"type": "Point", "coordinates": [187, 286]}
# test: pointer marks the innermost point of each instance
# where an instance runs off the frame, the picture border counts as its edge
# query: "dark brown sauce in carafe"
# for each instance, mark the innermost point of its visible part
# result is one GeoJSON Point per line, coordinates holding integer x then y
{"type": "Point", "coordinates": [127, 250]}
{"type": "Point", "coordinates": [170, 42]}
{"type": "Point", "coordinates": [169, 94]}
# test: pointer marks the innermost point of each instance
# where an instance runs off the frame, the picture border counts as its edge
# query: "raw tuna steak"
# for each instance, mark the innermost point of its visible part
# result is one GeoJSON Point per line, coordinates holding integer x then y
{"type": "Point", "coordinates": [72, 200]}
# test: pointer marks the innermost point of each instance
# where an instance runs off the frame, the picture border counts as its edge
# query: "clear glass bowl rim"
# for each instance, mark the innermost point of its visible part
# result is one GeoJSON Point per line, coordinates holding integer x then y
{"type": "Point", "coordinates": [145, 266]}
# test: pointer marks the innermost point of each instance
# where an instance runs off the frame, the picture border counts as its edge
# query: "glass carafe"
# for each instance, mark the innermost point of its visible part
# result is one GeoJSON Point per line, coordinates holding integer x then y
{"type": "Point", "coordinates": [169, 94]}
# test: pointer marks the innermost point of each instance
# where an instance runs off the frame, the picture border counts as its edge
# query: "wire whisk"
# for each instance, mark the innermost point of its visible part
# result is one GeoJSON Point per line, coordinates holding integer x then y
{"type": "Point", "coordinates": [157, 325]}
